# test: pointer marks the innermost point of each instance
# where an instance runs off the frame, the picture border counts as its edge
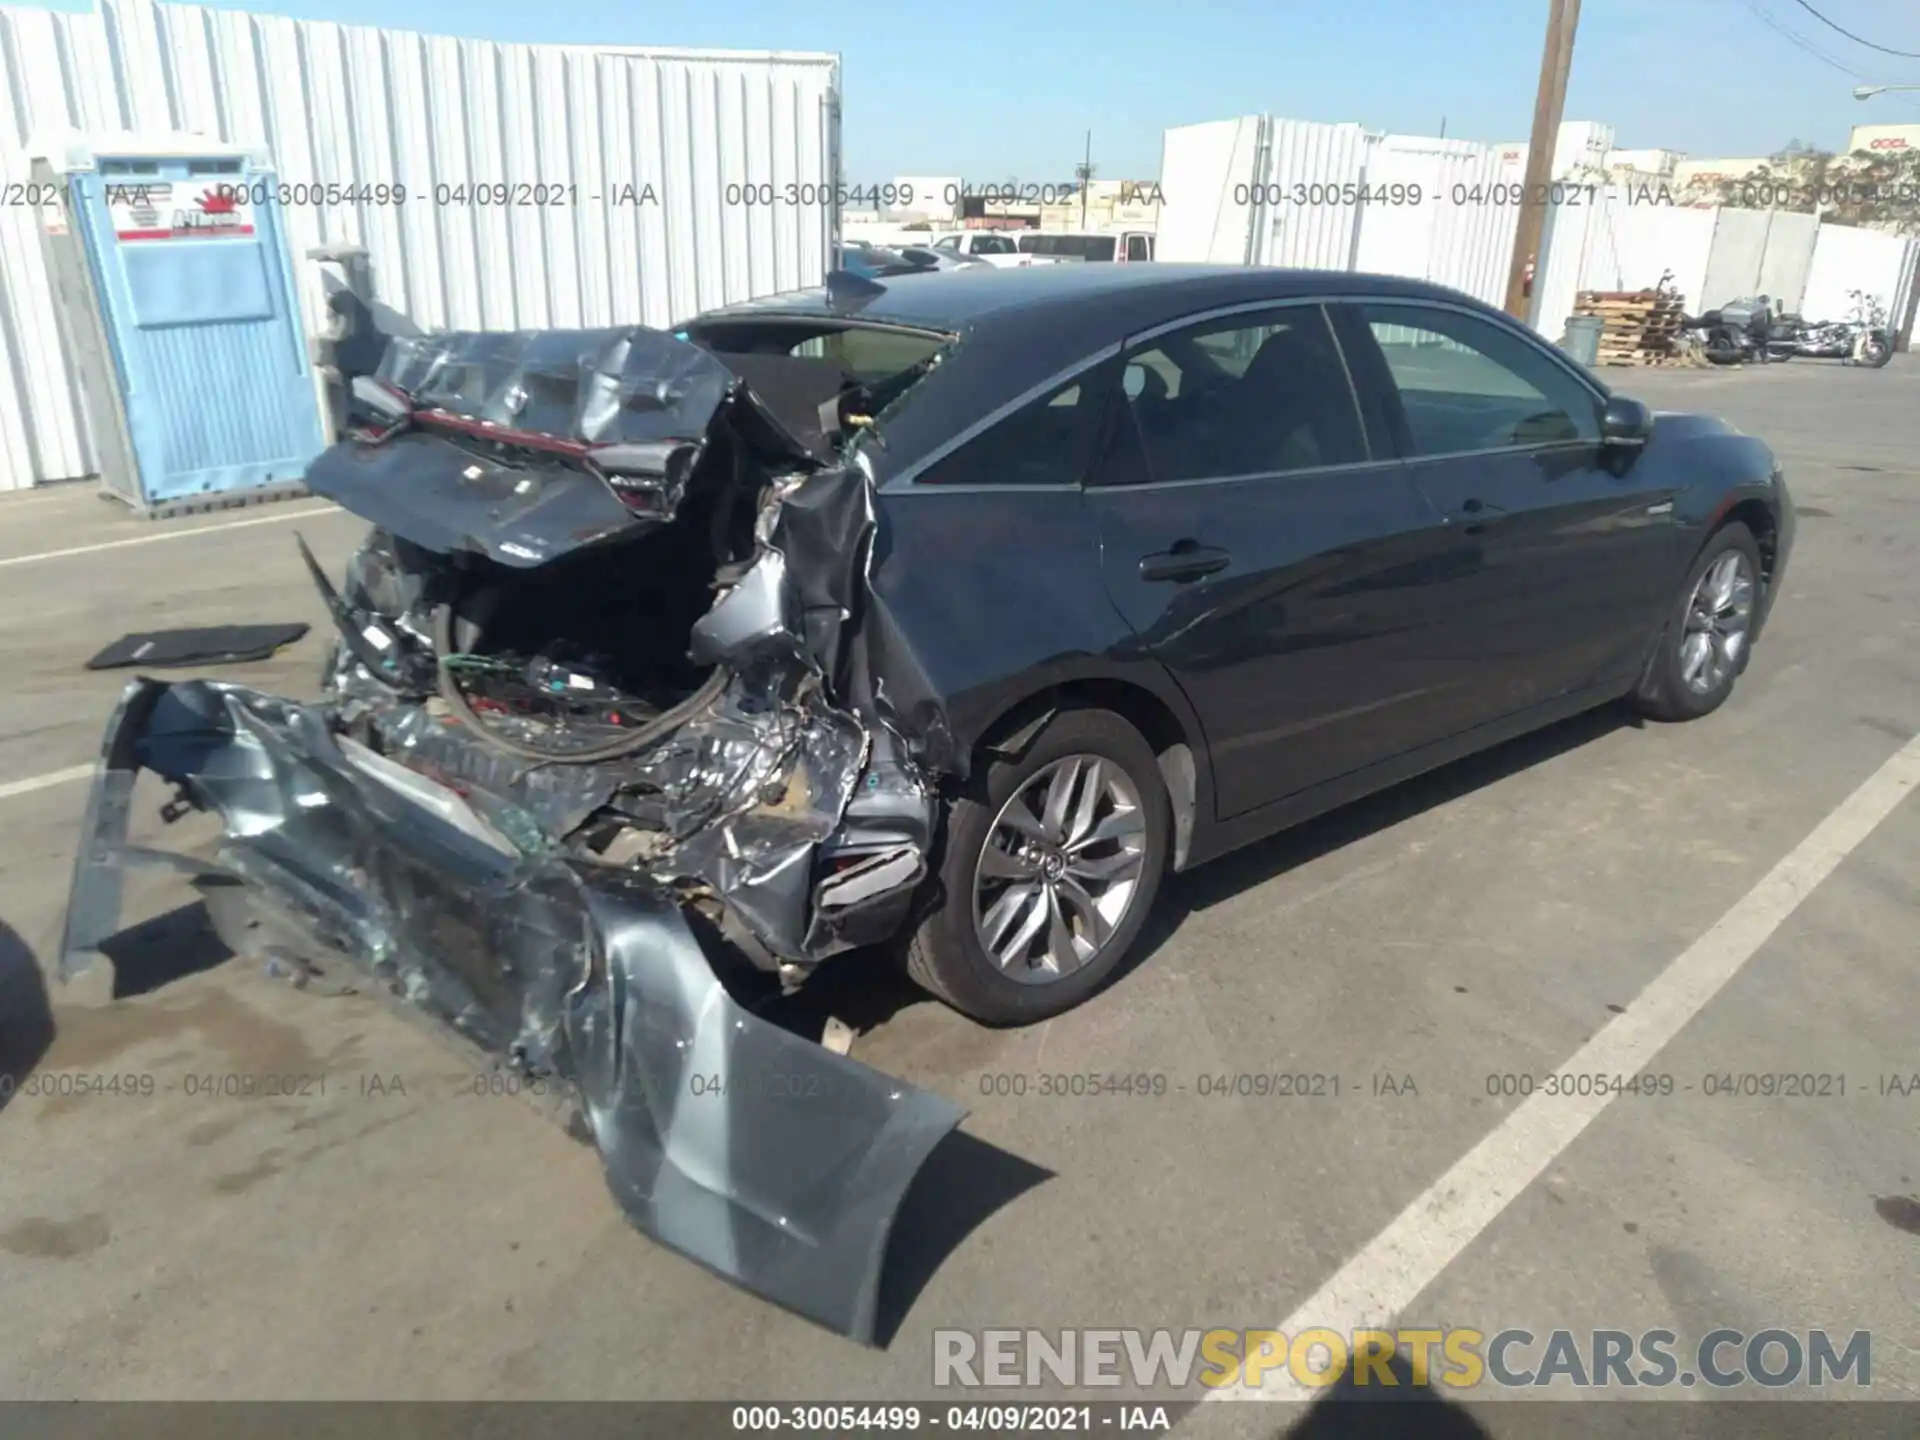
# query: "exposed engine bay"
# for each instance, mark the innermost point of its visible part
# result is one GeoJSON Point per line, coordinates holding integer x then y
{"type": "Point", "coordinates": [602, 721]}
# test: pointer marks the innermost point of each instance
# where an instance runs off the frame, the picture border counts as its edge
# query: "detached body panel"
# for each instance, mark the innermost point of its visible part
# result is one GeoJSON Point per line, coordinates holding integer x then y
{"type": "Point", "coordinates": [763, 1156]}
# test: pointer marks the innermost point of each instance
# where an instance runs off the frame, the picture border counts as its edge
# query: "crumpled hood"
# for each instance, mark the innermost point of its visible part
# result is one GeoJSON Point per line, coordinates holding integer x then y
{"type": "Point", "coordinates": [527, 445]}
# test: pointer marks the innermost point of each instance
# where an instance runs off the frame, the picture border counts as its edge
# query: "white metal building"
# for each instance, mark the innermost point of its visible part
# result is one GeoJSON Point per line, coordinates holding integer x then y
{"type": "Point", "coordinates": [673, 180]}
{"type": "Point", "coordinates": [1884, 139]}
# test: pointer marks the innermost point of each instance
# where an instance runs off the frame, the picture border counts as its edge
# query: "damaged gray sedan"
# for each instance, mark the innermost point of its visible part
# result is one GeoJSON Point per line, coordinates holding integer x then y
{"type": "Point", "coordinates": [951, 609]}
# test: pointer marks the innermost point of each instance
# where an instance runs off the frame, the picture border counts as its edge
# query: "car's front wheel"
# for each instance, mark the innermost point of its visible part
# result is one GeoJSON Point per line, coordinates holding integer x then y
{"type": "Point", "coordinates": [1705, 644]}
{"type": "Point", "coordinates": [1050, 867]}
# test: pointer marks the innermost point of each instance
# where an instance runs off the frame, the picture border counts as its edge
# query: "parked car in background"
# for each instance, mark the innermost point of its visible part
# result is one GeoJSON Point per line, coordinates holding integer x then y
{"type": "Point", "coordinates": [995, 247]}
{"type": "Point", "coordinates": [934, 259]}
{"type": "Point", "coordinates": [1118, 246]}
{"type": "Point", "coordinates": [870, 262]}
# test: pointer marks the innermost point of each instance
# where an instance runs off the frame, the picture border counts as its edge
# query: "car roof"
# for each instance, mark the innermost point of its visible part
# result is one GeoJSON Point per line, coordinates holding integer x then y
{"type": "Point", "coordinates": [1019, 328]}
{"type": "Point", "coordinates": [1110, 298]}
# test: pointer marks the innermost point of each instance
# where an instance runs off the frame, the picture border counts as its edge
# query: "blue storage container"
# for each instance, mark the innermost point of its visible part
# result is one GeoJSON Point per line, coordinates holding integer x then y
{"type": "Point", "coordinates": [175, 288]}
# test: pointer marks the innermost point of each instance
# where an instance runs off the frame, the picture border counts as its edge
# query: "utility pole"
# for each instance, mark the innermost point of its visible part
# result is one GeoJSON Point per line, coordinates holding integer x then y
{"type": "Point", "coordinates": [1083, 172]}
{"type": "Point", "coordinates": [1556, 63]}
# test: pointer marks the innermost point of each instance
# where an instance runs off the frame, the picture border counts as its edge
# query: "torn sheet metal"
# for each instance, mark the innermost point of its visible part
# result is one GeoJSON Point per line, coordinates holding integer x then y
{"type": "Point", "coordinates": [763, 1156]}
{"type": "Point", "coordinates": [532, 880]}
{"type": "Point", "coordinates": [526, 446]}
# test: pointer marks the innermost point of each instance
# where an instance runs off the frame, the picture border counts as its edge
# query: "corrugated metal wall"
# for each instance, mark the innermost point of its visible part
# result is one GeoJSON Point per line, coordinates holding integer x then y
{"type": "Point", "coordinates": [356, 106]}
{"type": "Point", "coordinates": [1309, 236]}
{"type": "Point", "coordinates": [1253, 188]}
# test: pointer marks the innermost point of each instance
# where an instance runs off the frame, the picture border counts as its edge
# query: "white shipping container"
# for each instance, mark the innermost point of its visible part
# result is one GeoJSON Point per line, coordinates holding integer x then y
{"type": "Point", "coordinates": [674, 180]}
{"type": "Point", "coordinates": [1266, 191]}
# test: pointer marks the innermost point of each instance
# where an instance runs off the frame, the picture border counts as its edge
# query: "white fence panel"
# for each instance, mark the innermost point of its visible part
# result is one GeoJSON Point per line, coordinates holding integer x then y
{"type": "Point", "coordinates": [1739, 253]}
{"type": "Point", "coordinates": [640, 153]}
{"type": "Point", "coordinates": [1848, 258]}
{"type": "Point", "coordinates": [1788, 257]}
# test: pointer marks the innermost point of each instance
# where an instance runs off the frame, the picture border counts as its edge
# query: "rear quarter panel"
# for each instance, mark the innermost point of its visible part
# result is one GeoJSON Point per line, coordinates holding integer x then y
{"type": "Point", "coordinates": [999, 596]}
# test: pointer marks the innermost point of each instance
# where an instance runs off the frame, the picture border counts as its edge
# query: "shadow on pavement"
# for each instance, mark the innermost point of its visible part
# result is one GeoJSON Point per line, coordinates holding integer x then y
{"type": "Point", "coordinates": [964, 1181]}
{"type": "Point", "coordinates": [26, 1017]}
{"type": "Point", "coordinates": [166, 948]}
{"type": "Point", "coordinates": [1370, 1410]}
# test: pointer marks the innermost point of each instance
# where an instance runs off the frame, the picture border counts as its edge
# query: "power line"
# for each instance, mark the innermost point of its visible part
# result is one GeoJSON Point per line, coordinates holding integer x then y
{"type": "Point", "coordinates": [1858, 40]}
{"type": "Point", "coordinates": [1768, 19]}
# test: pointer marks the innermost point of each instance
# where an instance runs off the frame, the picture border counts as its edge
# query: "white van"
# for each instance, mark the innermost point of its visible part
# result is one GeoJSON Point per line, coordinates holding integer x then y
{"type": "Point", "coordinates": [1120, 247]}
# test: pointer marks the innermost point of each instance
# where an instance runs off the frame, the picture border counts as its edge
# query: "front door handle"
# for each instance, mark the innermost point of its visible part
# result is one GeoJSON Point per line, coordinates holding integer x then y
{"type": "Point", "coordinates": [1186, 561]}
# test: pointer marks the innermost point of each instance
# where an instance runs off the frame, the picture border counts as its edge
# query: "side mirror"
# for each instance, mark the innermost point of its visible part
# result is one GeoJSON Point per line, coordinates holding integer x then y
{"type": "Point", "coordinates": [1625, 422]}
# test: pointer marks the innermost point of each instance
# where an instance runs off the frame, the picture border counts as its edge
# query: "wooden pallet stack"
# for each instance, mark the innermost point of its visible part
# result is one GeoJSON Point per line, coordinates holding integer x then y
{"type": "Point", "coordinates": [1638, 327]}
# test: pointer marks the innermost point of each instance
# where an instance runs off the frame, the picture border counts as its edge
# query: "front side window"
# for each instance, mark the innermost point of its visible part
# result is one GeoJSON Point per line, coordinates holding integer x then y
{"type": "Point", "coordinates": [1255, 394]}
{"type": "Point", "coordinates": [947, 242]}
{"type": "Point", "coordinates": [1467, 384]}
{"type": "Point", "coordinates": [993, 245]}
{"type": "Point", "coordinates": [1049, 441]}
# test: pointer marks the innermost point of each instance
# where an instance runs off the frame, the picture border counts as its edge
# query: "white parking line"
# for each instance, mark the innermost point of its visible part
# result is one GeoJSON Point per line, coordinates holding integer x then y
{"type": "Point", "coordinates": [1373, 1288]}
{"type": "Point", "coordinates": [155, 539]}
{"type": "Point", "coordinates": [44, 782]}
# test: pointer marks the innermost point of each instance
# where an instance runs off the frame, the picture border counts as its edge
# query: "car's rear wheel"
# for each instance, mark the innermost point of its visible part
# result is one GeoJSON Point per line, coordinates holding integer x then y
{"type": "Point", "coordinates": [1707, 639]}
{"type": "Point", "coordinates": [1050, 867]}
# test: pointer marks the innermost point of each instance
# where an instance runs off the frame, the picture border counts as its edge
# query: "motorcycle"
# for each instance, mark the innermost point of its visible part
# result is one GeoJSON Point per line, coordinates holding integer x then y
{"type": "Point", "coordinates": [1743, 331]}
{"type": "Point", "coordinates": [1861, 339]}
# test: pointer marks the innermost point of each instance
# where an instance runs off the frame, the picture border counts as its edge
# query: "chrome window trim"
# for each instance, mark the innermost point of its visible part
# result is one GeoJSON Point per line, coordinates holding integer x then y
{"type": "Point", "coordinates": [910, 477]}
{"type": "Point", "coordinates": [1267, 477]}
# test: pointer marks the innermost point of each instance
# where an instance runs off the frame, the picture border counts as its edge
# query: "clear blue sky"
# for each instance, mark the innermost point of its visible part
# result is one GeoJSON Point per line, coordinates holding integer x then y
{"type": "Point", "coordinates": [999, 89]}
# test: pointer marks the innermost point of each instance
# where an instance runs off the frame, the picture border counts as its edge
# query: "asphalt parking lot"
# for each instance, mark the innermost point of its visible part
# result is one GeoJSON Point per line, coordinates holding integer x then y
{"type": "Point", "coordinates": [400, 1236]}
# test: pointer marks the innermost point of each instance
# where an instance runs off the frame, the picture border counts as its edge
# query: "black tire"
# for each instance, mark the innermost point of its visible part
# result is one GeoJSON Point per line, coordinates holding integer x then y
{"type": "Point", "coordinates": [945, 956]}
{"type": "Point", "coordinates": [1876, 352]}
{"type": "Point", "coordinates": [1663, 693]}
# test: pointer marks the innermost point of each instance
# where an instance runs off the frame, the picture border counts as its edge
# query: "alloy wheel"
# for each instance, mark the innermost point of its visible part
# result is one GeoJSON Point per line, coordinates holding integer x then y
{"type": "Point", "coordinates": [1060, 866]}
{"type": "Point", "coordinates": [1719, 614]}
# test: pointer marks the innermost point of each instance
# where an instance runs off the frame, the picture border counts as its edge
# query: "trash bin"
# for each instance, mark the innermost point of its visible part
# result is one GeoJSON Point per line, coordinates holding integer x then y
{"type": "Point", "coordinates": [1582, 338]}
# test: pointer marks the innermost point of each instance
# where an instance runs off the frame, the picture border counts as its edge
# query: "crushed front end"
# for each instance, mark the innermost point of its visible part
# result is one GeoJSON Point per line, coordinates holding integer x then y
{"type": "Point", "coordinates": [599, 727]}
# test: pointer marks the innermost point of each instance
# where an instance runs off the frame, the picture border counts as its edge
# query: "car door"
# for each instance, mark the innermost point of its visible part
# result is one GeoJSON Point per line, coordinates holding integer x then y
{"type": "Point", "coordinates": [1565, 550]}
{"type": "Point", "coordinates": [1261, 549]}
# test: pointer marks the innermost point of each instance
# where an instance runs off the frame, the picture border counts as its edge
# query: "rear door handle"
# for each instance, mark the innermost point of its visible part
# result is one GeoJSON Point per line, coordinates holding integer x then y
{"type": "Point", "coordinates": [1477, 512]}
{"type": "Point", "coordinates": [1185, 561]}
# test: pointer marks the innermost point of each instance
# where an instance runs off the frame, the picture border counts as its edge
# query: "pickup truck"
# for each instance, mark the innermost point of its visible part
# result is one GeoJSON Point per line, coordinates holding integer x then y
{"type": "Point", "coordinates": [996, 247]}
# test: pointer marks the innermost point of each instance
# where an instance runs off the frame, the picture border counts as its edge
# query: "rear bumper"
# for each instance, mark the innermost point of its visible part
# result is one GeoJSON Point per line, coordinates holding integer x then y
{"type": "Point", "coordinates": [755, 1152]}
